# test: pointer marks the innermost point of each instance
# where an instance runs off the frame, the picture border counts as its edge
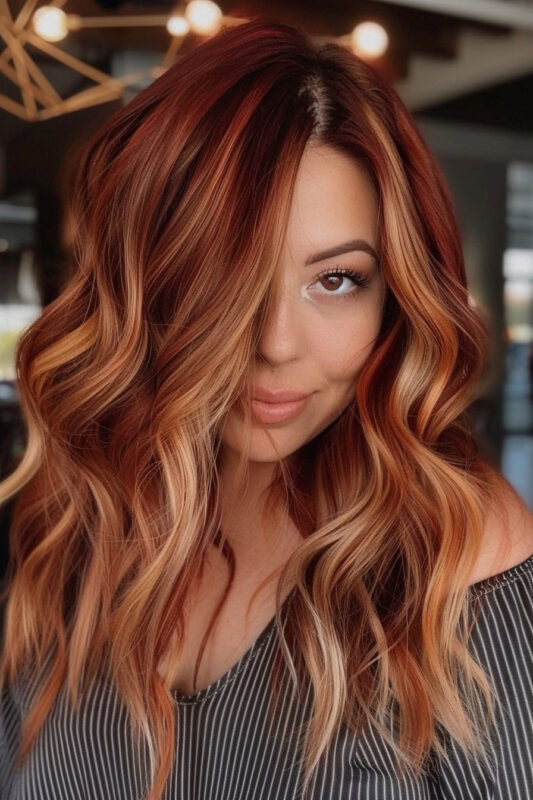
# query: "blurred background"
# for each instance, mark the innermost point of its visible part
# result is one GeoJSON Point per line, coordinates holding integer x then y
{"type": "Point", "coordinates": [464, 68]}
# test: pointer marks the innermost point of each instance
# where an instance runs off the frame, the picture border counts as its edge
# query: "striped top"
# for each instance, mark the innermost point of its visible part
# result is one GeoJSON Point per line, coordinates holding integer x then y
{"type": "Point", "coordinates": [227, 749]}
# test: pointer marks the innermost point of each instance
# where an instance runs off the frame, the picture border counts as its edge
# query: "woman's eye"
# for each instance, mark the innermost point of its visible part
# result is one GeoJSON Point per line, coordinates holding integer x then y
{"type": "Point", "coordinates": [336, 282]}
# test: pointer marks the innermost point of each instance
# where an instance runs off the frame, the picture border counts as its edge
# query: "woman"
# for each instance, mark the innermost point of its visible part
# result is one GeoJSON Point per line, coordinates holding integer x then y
{"type": "Point", "coordinates": [213, 595]}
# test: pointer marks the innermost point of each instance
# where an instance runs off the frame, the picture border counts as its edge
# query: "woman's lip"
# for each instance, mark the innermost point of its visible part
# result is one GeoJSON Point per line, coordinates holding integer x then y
{"type": "Point", "coordinates": [276, 396]}
{"type": "Point", "coordinates": [277, 412]}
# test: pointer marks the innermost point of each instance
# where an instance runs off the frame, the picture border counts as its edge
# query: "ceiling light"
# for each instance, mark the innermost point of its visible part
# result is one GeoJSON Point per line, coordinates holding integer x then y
{"type": "Point", "coordinates": [204, 16]}
{"type": "Point", "coordinates": [369, 39]}
{"type": "Point", "coordinates": [50, 23]}
{"type": "Point", "coordinates": [177, 25]}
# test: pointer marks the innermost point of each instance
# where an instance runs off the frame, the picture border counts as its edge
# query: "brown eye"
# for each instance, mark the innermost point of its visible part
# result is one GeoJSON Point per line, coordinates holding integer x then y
{"type": "Point", "coordinates": [334, 279]}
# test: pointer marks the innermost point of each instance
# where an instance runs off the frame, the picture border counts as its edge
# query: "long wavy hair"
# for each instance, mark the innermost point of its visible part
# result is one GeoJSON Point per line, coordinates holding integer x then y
{"type": "Point", "coordinates": [177, 215]}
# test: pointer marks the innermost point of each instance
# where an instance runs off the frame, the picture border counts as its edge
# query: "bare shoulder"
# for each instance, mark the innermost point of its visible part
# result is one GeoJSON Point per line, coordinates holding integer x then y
{"type": "Point", "coordinates": [507, 536]}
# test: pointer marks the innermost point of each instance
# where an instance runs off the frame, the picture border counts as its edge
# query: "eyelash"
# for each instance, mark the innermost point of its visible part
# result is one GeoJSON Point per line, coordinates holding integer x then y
{"type": "Point", "coordinates": [358, 278]}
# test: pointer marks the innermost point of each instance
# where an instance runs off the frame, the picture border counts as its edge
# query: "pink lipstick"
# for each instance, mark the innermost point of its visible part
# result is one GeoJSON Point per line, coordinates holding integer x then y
{"type": "Point", "coordinates": [270, 406]}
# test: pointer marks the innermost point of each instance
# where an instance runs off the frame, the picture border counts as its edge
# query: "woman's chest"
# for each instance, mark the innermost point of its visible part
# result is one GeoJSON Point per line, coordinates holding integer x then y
{"type": "Point", "coordinates": [216, 638]}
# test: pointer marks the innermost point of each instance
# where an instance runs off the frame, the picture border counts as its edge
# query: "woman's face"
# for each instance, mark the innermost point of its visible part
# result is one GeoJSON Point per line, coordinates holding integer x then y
{"type": "Point", "coordinates": [321, 329]}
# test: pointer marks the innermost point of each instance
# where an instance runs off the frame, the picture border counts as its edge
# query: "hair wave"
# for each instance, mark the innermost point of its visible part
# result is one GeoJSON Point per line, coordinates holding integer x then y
{"type": "Point", "coordinates": [178, 214]}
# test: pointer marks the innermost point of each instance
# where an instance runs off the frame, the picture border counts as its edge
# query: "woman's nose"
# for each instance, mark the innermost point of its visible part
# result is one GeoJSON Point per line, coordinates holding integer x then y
{"type": "Point", "coordinates": [281, 339]}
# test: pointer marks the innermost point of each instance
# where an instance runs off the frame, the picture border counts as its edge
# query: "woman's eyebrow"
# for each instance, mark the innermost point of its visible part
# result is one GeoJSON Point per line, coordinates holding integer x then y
{"type": "Point", "coordinates": [346, 247]}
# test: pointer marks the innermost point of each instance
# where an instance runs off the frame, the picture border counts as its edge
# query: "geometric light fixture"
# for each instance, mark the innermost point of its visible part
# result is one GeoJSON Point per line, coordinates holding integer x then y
{"type": "Point", "coordinates": [42, 27]}
{"type": "Point", "coordinates": [48, 24]}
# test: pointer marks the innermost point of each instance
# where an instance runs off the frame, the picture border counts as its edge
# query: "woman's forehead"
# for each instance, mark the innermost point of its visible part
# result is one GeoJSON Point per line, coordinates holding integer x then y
{"type": "Point", "coordinates": [334, 201]}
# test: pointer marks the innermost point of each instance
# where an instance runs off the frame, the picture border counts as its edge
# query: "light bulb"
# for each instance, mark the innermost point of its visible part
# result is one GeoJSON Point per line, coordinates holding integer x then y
{"type": "Point", "coordinates": [204, 16]}
{"type": "Point", "coordinates": [369, 39]}
{"type": "Point", "coordinates": [50, 23]}
{"type": "Point", "coordinates": [177, 25]}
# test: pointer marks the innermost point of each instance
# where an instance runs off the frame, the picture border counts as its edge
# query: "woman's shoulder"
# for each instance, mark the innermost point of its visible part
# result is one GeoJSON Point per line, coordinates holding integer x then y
{"type": "Point", "coordinates": [507, 536]}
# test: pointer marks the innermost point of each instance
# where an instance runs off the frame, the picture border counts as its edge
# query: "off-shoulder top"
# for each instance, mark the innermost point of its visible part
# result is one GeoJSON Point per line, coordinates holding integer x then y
{"type": "Point", "coordinates": [227, 748]}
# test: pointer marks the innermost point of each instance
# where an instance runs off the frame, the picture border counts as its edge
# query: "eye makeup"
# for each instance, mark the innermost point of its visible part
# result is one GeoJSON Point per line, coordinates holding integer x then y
{"type": "Point", "coordinates": [359, 279]}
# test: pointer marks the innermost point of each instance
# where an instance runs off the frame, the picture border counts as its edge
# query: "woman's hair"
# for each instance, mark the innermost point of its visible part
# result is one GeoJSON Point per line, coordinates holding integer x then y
{"type": "Point", "coordinates": [178, 215]}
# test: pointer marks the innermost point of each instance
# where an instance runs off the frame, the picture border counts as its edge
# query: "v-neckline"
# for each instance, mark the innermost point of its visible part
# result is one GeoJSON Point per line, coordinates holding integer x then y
{"type": "Point", "coordinates": [255, 648]}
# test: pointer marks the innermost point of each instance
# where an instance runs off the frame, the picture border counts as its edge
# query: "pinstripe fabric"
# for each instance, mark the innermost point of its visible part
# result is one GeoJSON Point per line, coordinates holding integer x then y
{"type": "Point", "coordinates": [227, 751]}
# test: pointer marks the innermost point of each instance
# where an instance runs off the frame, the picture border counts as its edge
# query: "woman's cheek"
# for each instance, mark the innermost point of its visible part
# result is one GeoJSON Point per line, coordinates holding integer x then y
{"type": "Point", "coordinates": [341, 350]}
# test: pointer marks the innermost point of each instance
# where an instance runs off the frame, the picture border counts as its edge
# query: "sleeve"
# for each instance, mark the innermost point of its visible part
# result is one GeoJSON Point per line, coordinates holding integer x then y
{"type": "Point", "coordinates": [502, 643]}
{"type": "Point", "coordinates": [9, 740]}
